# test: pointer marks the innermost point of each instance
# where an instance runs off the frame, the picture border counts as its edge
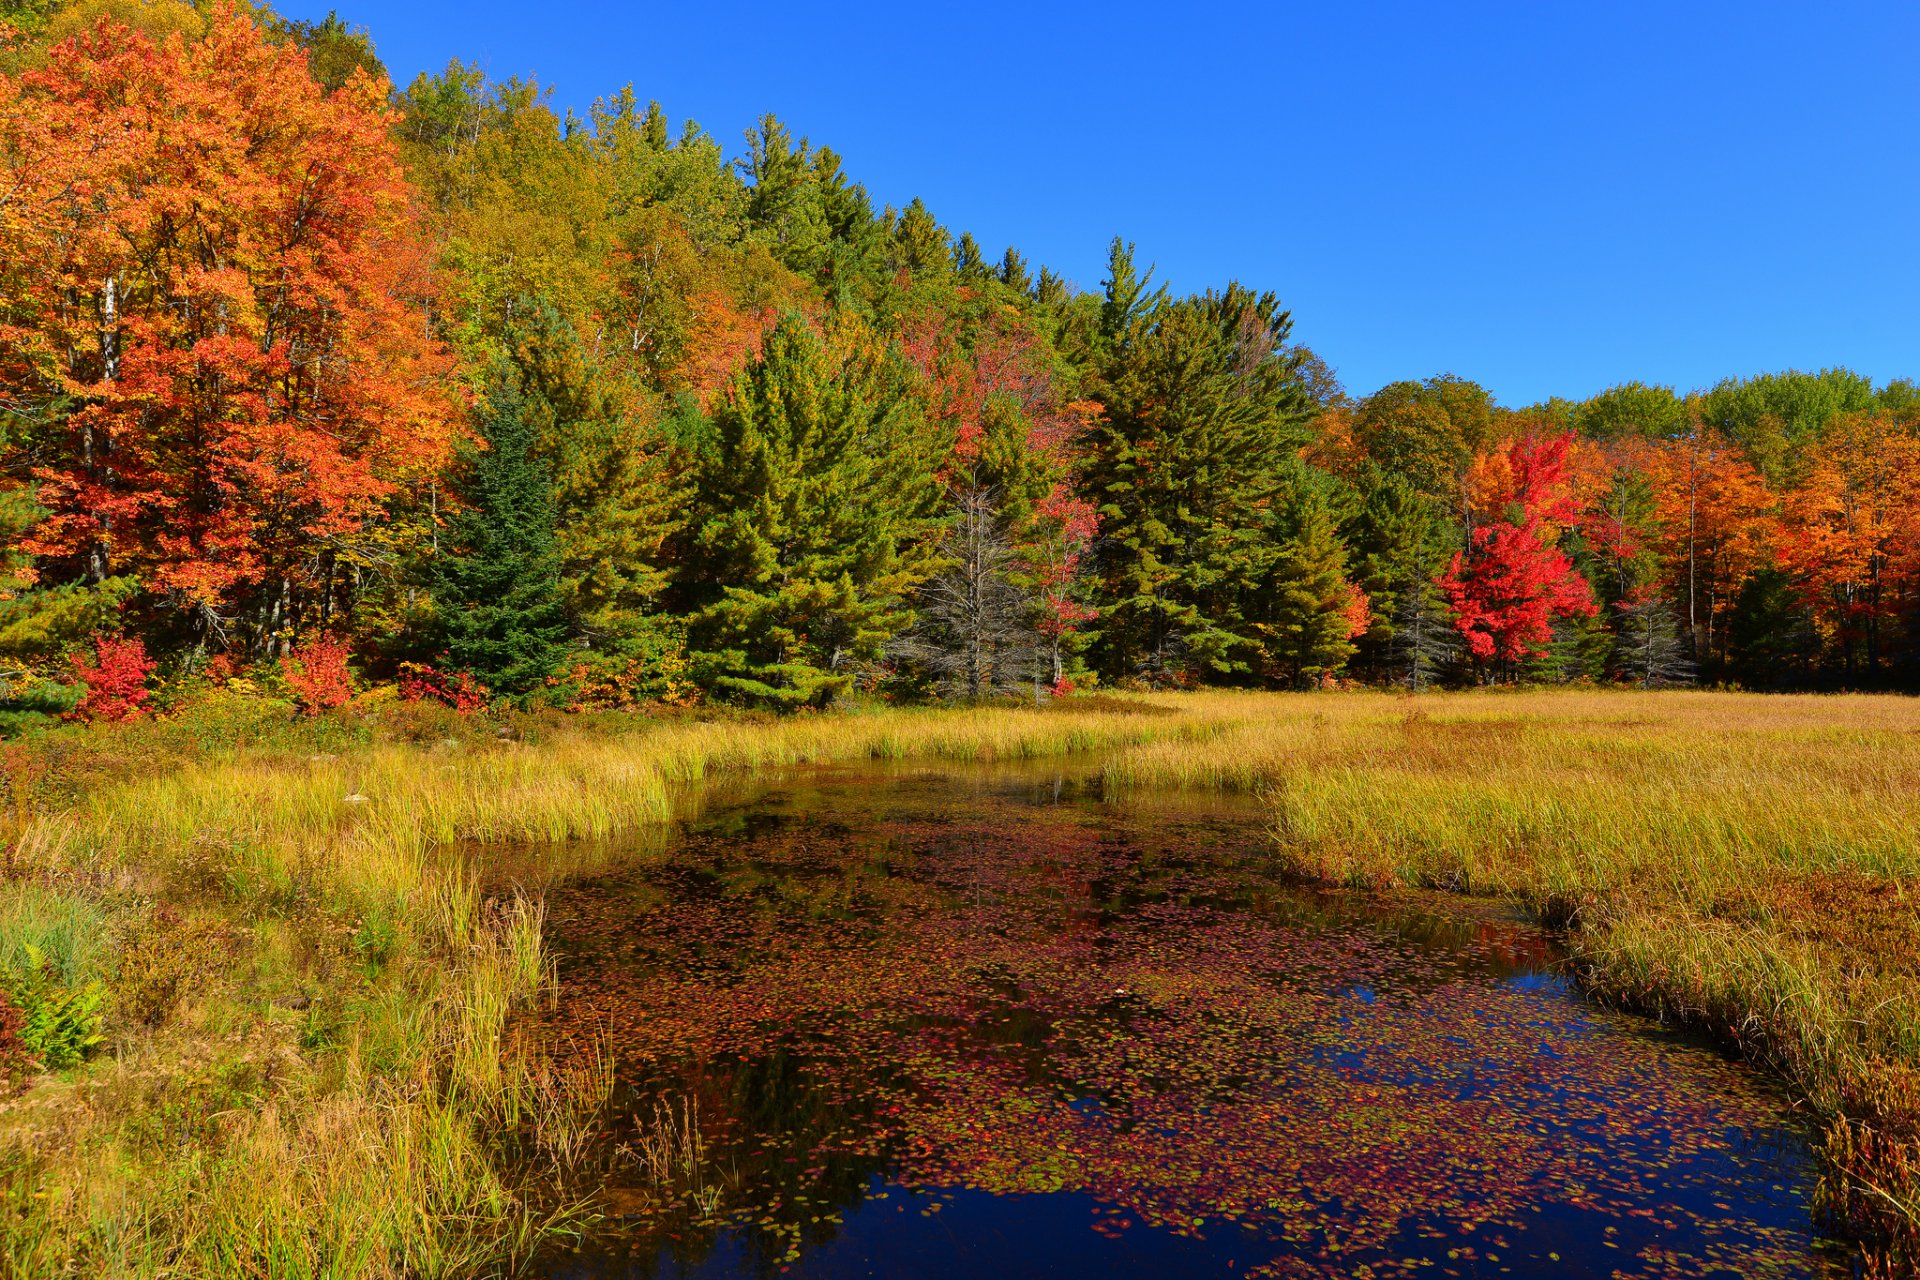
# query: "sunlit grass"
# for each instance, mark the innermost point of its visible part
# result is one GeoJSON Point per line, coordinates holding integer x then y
{"type": "Point", "coordinates": [321, 1033]}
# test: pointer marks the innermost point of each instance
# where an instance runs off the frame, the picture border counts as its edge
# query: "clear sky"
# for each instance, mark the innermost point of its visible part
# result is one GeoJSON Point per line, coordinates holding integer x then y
{"type": "Point", "coordinates": [1548, 197]}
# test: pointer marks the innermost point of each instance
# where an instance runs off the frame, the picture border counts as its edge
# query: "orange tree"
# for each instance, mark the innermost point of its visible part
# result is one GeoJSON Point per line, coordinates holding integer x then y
{"type": "Point", "coordinates": [211, 326]}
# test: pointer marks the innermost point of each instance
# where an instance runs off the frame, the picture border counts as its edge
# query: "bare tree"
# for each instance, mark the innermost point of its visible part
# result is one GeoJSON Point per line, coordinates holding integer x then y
{"type": "Point", "coordinates": [974, 631]}
{"type": "Point", "coordinates": [1424, 641]}
{"type": "Point", "coordinates": [1648, 649]}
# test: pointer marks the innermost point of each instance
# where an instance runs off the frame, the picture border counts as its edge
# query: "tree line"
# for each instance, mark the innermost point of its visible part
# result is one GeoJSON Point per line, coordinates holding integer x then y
{"type": "Point", "coordinates": [307, 379]}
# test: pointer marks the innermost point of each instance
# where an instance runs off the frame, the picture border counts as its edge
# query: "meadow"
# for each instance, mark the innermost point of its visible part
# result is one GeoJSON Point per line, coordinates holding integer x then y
{"type": "Point", "coordinates": [305, 984]}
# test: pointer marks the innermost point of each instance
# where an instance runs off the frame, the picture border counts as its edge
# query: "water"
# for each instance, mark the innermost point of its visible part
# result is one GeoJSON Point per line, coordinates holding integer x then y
{"type": "Point", "coordinates": [973, 1023]}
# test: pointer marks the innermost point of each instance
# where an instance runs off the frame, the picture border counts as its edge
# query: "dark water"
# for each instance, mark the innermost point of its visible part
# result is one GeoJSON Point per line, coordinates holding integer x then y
{"type": "Point", "coordinates": [969, 1024]}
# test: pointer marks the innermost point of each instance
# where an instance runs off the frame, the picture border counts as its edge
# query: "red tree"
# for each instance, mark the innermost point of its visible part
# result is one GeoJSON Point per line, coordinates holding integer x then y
{"type": "Point", "coordinates": [214, 262]}
{"type": "Point", "coordinates": [1512, 582]}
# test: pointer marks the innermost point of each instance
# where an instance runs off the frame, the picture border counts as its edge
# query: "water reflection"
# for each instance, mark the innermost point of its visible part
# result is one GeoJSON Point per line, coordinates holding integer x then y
{"type": "Point", "coordinates": [970, 1023]}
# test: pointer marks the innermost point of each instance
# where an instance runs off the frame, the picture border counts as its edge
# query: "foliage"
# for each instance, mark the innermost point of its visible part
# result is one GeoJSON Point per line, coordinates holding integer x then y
{"type": "Point", "coordinates": [813, 504]}
{"type": "Point", "coordinates": [115, 679]}
{"type": "Point", "coordinates": [1201, 410]}
{"type": "Point", "coordinates": [1511, 583]}
{"type": "Point", "coordinates": [423, 682]}
{"type": "Point", "coordinates": [57, 1027]}
{"type": "Point", "coordinates": [317, 672]}
{"type": "Point", "coordinates": [225, 422]}
{"type": "Point", "coordinates": [499, 609]}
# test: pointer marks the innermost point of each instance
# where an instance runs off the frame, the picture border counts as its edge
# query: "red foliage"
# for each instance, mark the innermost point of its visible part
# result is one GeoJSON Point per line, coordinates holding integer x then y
{"type": "Point", "coordinates": [116, 679]}
{"type": "Point", "coordinates": [1511, 583]}
{"type": "Point", "coordinates": [422, 682]}
{"type": "Point", "coordinates": [318, 673]}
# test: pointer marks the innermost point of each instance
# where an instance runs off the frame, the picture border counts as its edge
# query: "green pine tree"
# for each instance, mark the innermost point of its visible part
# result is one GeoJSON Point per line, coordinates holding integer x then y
{"type": "Point", "coordinates": [499, 607]}
{"type": "Point", "coordinates": [1308, 631]}
{"type": "Point", "coordinates": [1400, 544]}
{"type": "Point", "coordinates": [815, 505]}
{"type": "Point", "coordinates": [618, 496]}
{"type": "Point", "coordinates": [1204, 414]}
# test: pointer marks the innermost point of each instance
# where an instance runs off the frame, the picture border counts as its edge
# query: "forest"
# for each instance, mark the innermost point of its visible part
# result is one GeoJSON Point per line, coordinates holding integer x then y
{"type": "Point", "coordinates": [311, 383]}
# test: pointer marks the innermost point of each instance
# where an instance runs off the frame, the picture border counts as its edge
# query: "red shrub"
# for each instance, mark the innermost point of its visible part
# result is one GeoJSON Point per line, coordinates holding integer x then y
{"type": "Point", "coordinates": [317, 670]}
{"type": "Point", "coordinates": [422, 682]}
{"type": "Point", "coordinates": [116, 679]}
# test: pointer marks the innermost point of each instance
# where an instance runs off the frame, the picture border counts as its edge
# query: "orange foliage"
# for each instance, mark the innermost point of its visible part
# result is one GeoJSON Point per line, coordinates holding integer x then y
{"type": "Point", "coordinates": [216, 264]}
{"type": "Point", "coordinates": [722, 338]}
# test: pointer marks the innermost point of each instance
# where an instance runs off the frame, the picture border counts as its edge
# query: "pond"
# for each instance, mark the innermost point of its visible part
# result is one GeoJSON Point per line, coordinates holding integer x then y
{"type": "Point", "coordinates": [972, 1022]}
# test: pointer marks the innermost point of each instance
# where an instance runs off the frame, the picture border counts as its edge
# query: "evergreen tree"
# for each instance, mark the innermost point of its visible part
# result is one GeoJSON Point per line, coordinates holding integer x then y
{"type": "Point", "coordinates": [968, 262]}
{"type": "Point", "coordinates": [1126, 299]}
{"type": "Point", "coordinates": [1312, 610]}
{"type": "Point", "coordinates": [1049, 290]}
{"type": "Point", "coordinates": [1424, 644]}
{"type": "Point", "coordinates": [1203, 416]}
{"type": "Point", "coordinates": [1400, 544]}
{"type": "Point", "coordinates": [499, 610]}
{"type": "Point", "coordinates": [1771, 637]}
{"type": "Point", "coordinates": [617, 493]}
{"type": "Point", "coordinates": [815, 502]}
{"type": "Point", "coordinates": [1014, 273]}
{"type": "Point", "coordinates": [922, 245]}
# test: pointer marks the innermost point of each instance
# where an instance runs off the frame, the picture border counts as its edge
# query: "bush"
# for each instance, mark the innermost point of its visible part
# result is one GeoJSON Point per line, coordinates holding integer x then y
{"type": "Point", "coordinates": [317, 673]}
{"type": "Point", "coordinates": [116, 679]}
{"type": "Point", "coordinates": [421, 682]}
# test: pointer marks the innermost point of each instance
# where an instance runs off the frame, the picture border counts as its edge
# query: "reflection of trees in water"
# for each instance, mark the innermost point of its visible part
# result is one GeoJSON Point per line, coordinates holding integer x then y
{"type": "Point", "coordinates": [1025, 998]}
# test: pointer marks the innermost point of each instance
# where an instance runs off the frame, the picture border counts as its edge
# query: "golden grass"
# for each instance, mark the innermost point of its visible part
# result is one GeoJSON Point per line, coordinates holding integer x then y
{"type": "Point", "coordinates": [1741, 862]}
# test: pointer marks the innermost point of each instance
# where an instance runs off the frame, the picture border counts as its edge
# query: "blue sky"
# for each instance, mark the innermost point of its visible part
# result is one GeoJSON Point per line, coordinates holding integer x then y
{"type": "Point", "coordinates": [1548, 197]}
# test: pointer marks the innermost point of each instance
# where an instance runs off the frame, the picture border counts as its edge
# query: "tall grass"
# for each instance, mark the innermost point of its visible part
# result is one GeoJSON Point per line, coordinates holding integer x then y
{"type": "Point", "coordinates": [314, 1070]}
{"type": "Point", "coordinates": [314, 1066]}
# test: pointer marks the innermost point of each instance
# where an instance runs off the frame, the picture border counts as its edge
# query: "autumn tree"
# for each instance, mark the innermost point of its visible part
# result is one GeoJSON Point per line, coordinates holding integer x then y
{"type": "Point", "coordinates": [1428, 434]}
{"type": "Point", "coordinates": [1511, 583]}
{"type": "Point", "coordinates": [209, 278]}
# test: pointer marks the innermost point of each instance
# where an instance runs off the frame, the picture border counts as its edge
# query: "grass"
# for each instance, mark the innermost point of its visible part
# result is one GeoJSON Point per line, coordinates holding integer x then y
{"type": "Point", "coordinates": [312, 1065]}
{"type": "Point", "coordinates": [1744, 864]}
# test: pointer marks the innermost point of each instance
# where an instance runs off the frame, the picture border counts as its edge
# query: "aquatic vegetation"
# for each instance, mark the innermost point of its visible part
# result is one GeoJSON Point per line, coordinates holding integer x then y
{"type": "Point", "coordinates": [900, 993]}
{"type": "Point", "coordinates": [1742, 864]}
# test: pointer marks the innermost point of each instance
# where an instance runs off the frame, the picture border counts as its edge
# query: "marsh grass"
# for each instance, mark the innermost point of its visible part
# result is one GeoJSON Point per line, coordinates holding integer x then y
{"type": "Point", "coordinates": [313, 1067]}
{"type": "Point", "coordinates": [1738, 863]}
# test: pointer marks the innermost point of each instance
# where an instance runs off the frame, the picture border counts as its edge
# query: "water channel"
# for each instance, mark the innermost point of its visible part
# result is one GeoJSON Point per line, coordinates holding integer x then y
{"type": "Point", "coordinates": [978, 1022]}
